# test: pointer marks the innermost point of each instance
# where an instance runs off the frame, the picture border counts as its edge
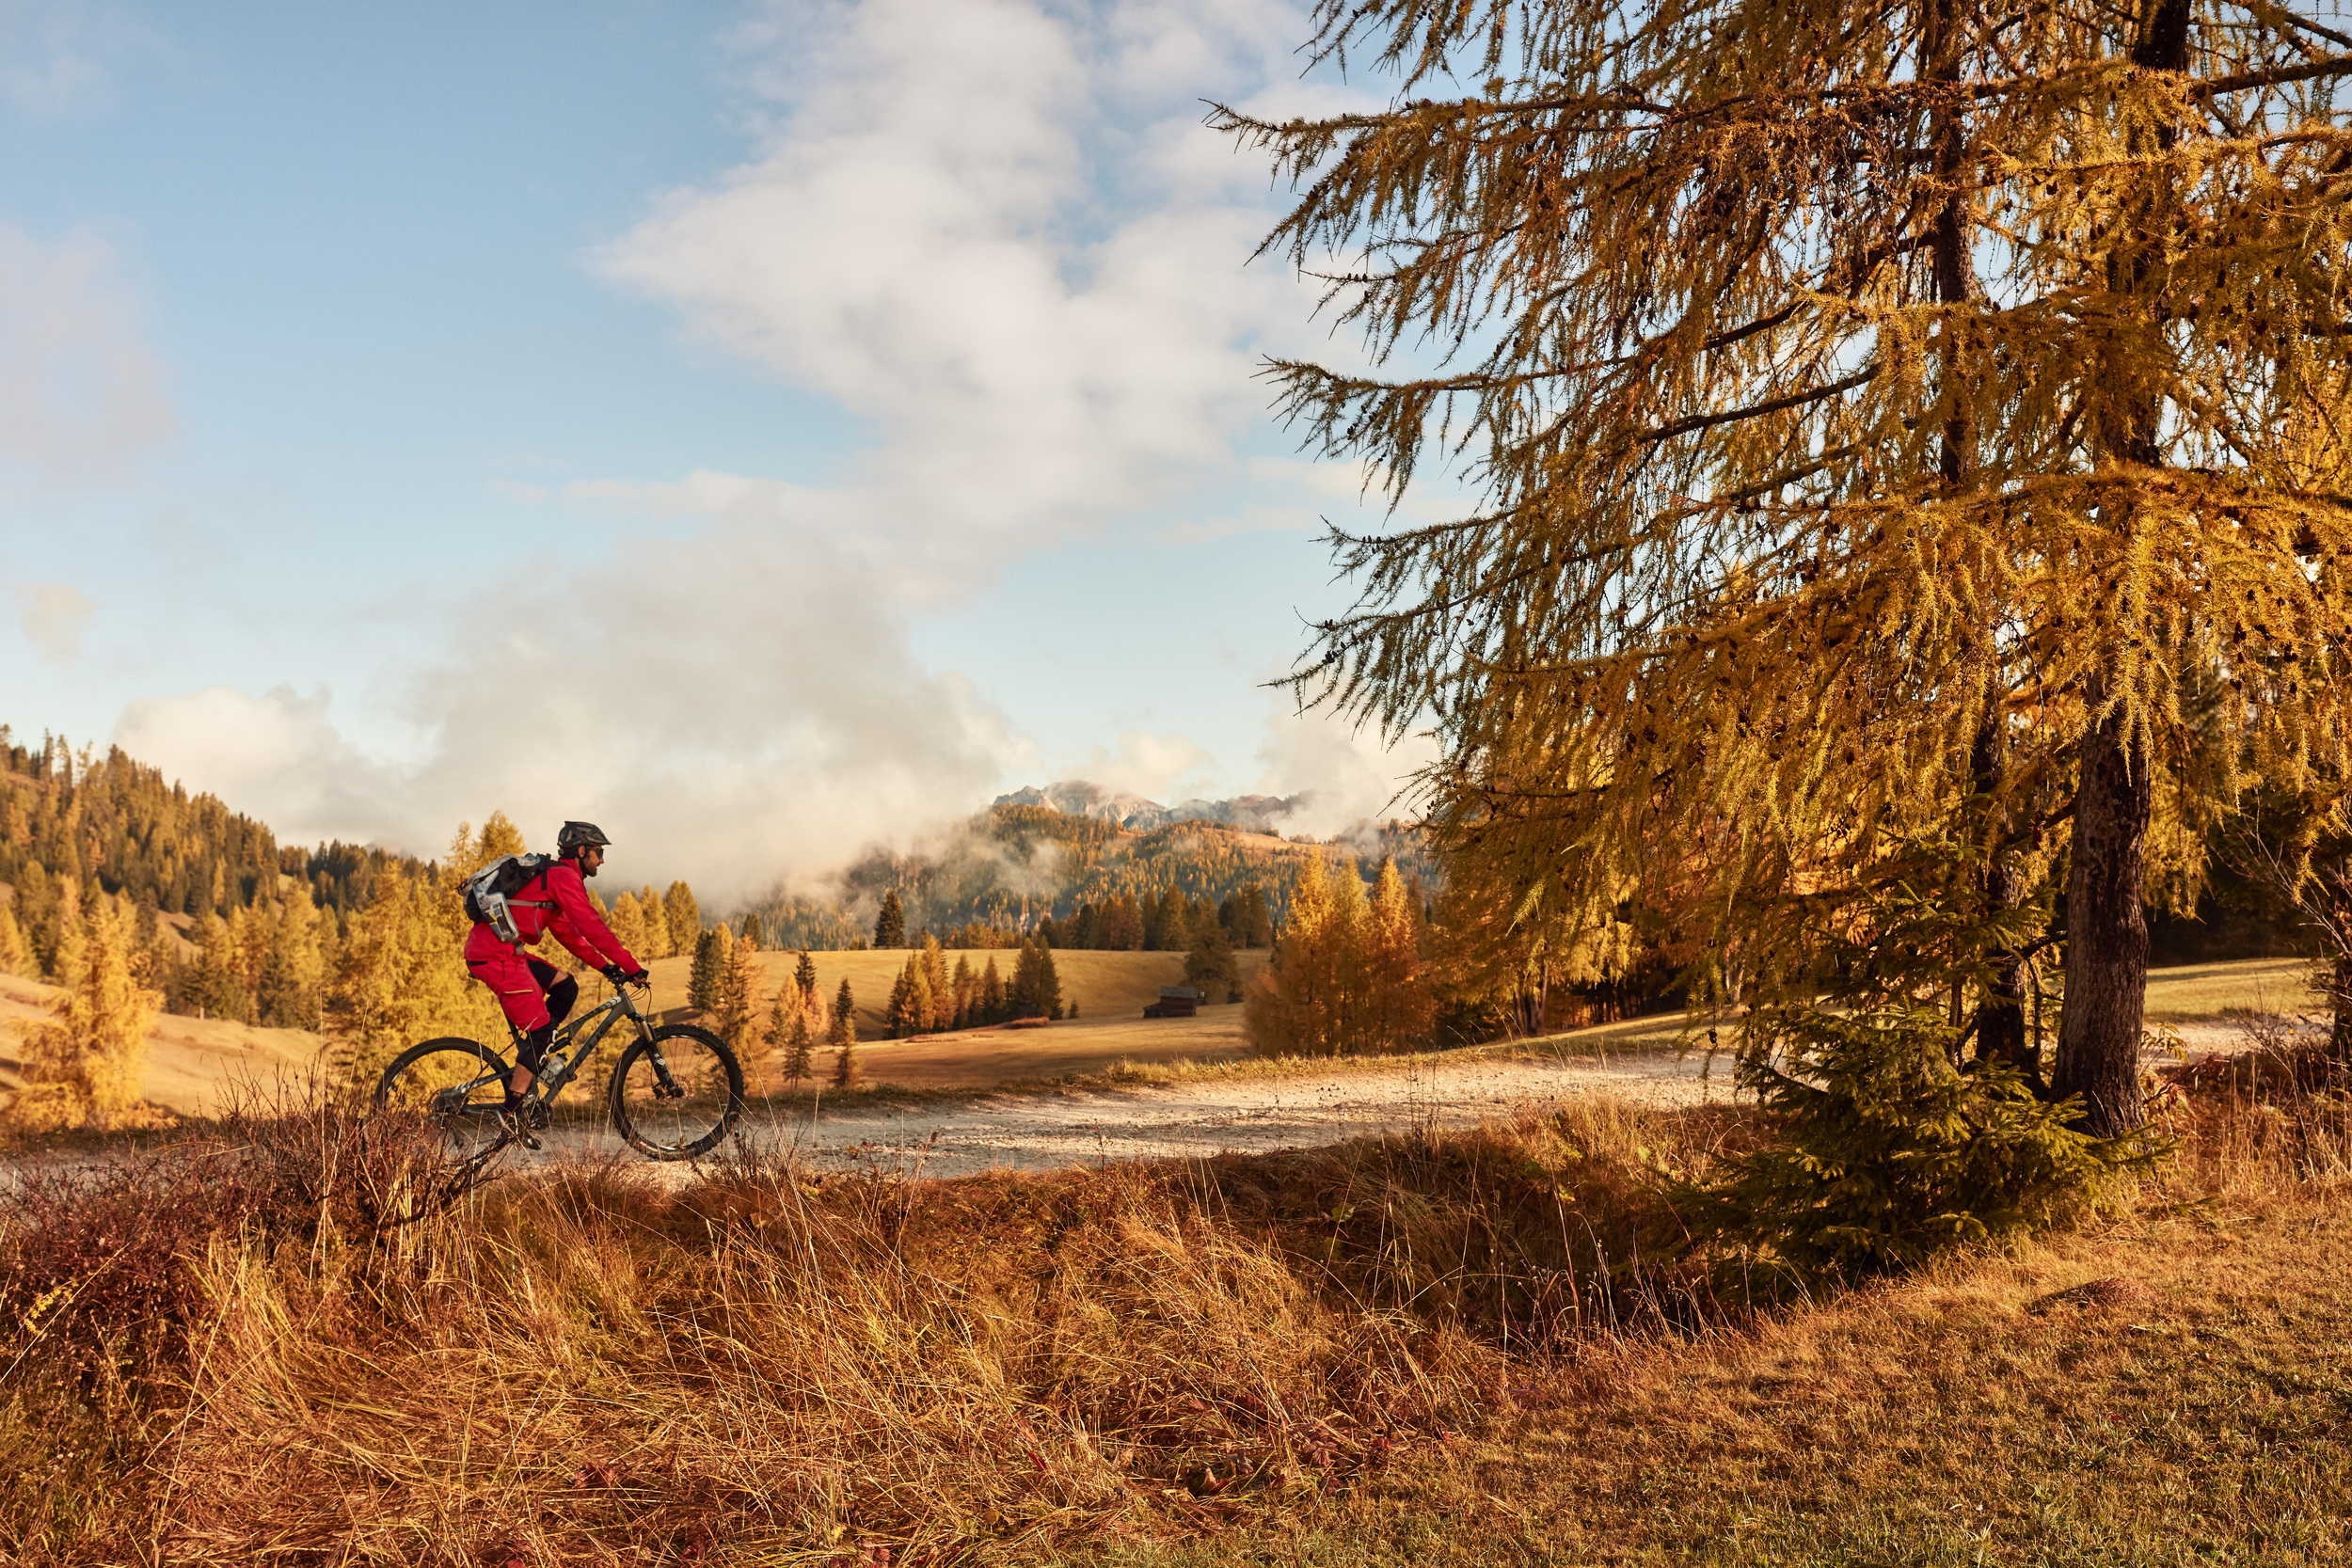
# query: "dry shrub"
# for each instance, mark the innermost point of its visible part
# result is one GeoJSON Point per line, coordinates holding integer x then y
{"type": "Point", "coordinates": [1532, 1233]}
{"type": "Point", "coordinates": [97, 1255]}
{"type": "Point", "coordinates": [774, 1363]}
{"type": "Point", "coordinates": [587, 1367]}
{"type": "Point", "coordinates": [590, 1367]}
{"type": "Point", "coordinates": [2273, 1119]}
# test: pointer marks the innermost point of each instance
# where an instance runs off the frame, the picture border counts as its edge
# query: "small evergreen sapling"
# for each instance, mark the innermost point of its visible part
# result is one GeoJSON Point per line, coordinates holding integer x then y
{"type": "Point", "coordinates": [1887, 1153]}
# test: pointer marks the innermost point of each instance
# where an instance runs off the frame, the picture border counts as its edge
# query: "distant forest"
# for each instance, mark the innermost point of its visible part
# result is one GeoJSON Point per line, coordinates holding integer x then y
{"type": "Point", "coordinates": [1012, 868]}
{"type": "Point", "coordinates": [78, 814]}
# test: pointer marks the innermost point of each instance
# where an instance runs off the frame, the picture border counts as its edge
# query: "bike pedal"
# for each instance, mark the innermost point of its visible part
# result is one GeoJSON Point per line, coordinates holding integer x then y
{"type": "Point", "coordinates": [514, 1127]}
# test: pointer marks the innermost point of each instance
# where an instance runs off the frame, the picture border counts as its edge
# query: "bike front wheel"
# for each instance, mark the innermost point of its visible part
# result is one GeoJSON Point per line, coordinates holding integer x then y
{"type": "Point", "coordinates": [458, 1085]}
{"type": "Point", "coordinates": [676, 1095]}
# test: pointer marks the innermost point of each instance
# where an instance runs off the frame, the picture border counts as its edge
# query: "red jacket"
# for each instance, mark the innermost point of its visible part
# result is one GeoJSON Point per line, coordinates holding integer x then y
{"type": "Point", "coordinates": [572, 918]}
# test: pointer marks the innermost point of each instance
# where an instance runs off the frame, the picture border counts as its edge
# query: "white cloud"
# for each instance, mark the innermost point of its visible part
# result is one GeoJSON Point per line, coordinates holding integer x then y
{"type": "Point", "coordinates": [1348, 775]}
{"type": "Point", "coordinates": [730, 708]}
{"type": "Point", "coordinates": [967, 231]}
{"type": "Point", "coordinates": [53, 615]}
{"type": "Point", "coordinates": [79, 391]}
{"type": "Point", "coordinates": [276, 757]}
{"type": "Point", "coordinates": [1153, 766]}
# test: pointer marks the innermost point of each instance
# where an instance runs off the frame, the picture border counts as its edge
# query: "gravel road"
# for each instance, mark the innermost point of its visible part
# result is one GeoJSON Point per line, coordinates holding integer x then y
{"type": "Point", "coordinates": [1052, 1131]}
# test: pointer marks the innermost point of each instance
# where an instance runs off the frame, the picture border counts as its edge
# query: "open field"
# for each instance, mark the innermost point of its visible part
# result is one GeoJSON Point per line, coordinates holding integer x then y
{"type": "Point", "coordinates": [1104, 985]}
{"type": "Point", "coordinates": [191, 1063]}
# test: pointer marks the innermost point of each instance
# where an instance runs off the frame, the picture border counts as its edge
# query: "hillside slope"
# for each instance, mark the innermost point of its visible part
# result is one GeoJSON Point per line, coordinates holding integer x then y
{"type": "Point", "coordinates": [192, 1063]}
{"type": "Point", "coordinates": [1015, 863]}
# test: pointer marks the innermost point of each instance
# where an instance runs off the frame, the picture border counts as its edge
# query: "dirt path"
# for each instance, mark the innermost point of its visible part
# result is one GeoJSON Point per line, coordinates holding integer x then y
{"type": "Point", "coordinates": [1052, 1131]}
{"type": "Point", "coordinates": [1056, 1131]}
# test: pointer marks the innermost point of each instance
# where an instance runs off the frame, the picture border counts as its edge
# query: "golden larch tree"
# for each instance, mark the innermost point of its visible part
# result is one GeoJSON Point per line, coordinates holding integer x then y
{"type": "Point", "coordinates": [1910, 442]}
{"type": "Point", "coordinates": [83, 1063]}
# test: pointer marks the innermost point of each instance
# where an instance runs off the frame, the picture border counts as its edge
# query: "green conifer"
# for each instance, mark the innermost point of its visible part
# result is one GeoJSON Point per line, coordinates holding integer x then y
{"type": "Point", "coordinates": [890, 926]}
{"type": "Point", "coordinates": [711, 950]}
{"type": "Point", "coordinates": [685, 917]}
{"type": "Point", "coordinates": [992, 1005]}
{"type": "Point", "coordinates": [842, 1029]}
{"type": "Point", "coordinates": [794, 1040]}
{"type": "Point", "coordinates": [896, 1009]}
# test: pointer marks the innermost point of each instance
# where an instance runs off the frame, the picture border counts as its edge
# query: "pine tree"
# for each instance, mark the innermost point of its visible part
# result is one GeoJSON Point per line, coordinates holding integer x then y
{"type": "Point", "coordinates": [685, 917]}
{"type": "Point", "coordinates": [843, 1037]}
{"type": "Point", "coordinates": [1122, 925]}
{"type": "Point", "coordinates": [400, 978]}
{"type": "Point", "coordinates": [938, 991]}
{"type": "Point", "coordinates": [712, 950]}
{"type": "Point", "coordinates": [751, 930]}
{"type": "Point", "coordinates": [1048, 981]}
{"type": "Point", "coordinates": [896, 1010]}
{"type": "Point", "coordinates": [842, 1030]}
{"type": "Point", "coordinates": [1398, 1009]}
{"type": "Point", "coordinates": [890, 926]}
{"type": "Point", "coordinates": [735, 990]}
{"type": "Point", "coordinates": [628, 926]}
{"type": "Point", "coordinates": [804, 977]}
{"type": "Point", "coordinates": [215, 987]}
{"type": "Point", "coordinates": [1252, 921]}
{"type": "Point", "coordinates": [84, 1062]}
{"type": "Point", "coordinates": [287, 988]}
{"type": "Point", "coordinates": [1163, 923]}
{"type": "Point", "coordinates": [1312, 1000]}
{"type": "Point", "coordinates": [16, 948]}
{"type": "Point", "coordinates": [1893, 426]}
{"type": "Point", "coordinates": [846, 1073]}
{"type": "Point", "coordinates": [992, 1006]}
{"type": "Point", "coordinates": [962, 988]}
{"type": "Point", "coordinates": [1210, 964]}
{"type": "Point", "coordinates": [919, 999]}
{"type": "Point", "coordinates": [794, 1042]}
{"type": "Point", "coordinates": [655, 916]}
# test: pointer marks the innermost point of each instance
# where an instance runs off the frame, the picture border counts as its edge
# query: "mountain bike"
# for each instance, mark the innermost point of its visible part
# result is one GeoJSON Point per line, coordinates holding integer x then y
{"type": "Point", "coordinates": [675, 1093]}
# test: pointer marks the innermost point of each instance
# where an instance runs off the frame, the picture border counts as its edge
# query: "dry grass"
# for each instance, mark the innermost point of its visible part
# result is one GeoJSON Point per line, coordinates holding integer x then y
{"type": "Point", "coordinates": [2198, 991]}
{"type": "Point", "coordinates": [1473, 1347]}
{"type": "Point", "coordinates": [587, 1368]}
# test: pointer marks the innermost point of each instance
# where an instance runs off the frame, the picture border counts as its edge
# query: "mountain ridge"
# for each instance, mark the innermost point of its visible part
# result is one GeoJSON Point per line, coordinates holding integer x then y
{"type": "Point", "coordinates": [1083, 797]}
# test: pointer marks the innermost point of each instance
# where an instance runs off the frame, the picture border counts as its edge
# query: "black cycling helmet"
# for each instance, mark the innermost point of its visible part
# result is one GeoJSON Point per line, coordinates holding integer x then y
{"type": "Point", "coordinates": [575, 837]}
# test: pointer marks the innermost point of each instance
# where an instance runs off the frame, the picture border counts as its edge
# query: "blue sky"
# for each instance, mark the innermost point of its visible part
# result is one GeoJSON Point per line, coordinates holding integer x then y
{"type": "Point", "coordinates": [761, 428]}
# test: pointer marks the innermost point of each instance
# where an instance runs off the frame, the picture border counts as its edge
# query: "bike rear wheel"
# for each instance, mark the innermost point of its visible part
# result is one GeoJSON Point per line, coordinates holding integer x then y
{"type": "Point", "coordinates": [676, 1095]}
{"type": "Point", "coordinates": [459, 1085]}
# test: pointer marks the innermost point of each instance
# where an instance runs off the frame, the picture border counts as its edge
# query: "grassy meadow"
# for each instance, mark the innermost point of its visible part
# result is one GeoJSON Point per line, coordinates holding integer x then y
{"type": "Point", "coordinates": [1105, 986]}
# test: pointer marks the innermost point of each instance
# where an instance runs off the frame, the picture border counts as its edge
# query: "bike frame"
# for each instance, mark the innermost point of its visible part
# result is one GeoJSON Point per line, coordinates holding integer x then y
{"type": "Point", "coordinates": [557, 1068]}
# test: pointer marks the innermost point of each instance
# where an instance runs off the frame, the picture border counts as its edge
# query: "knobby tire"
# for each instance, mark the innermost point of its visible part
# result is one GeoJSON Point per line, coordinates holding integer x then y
{"type": "Point", "coordinates": [690, 1122]}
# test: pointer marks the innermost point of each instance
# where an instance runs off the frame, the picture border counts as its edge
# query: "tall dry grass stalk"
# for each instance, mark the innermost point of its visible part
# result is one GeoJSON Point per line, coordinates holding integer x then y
{"type": "Point", "coordinates": [588, 1367]}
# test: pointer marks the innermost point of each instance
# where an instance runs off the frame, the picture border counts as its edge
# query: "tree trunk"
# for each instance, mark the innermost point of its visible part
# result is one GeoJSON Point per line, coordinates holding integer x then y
{"type": "Point", "coordinates": [2001, 1008]}
{"type": "Point", "coordinates": [2106, 926]}
{"type": "Point", "coordinates": [2106, 929]}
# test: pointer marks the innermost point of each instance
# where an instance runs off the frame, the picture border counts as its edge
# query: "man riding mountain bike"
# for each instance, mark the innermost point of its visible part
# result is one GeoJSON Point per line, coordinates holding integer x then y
{"type": "Point", "coordinates": [533, 993]}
